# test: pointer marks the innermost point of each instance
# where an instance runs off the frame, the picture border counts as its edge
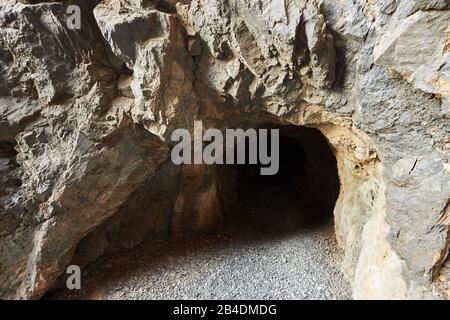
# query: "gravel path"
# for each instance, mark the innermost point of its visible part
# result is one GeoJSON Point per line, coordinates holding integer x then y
{"type": "Point", "coordinates": [256, 256]}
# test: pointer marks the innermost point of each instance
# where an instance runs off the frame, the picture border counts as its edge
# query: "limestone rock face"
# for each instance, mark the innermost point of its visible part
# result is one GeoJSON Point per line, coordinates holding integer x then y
{"type": "Point", "coordinates": [86, 118]}
{"type": "Point", "coordinates": [164, 97]}
{"type": "Point", "coordinates": [274, 40]}
{"type": "Point", "coordinates": [74, 148]}
{"type": "Point", "coordinates": [419, 49]}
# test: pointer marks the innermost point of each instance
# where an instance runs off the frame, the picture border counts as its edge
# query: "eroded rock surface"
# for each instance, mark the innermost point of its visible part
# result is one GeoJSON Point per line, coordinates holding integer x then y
{"type": "Point", "coordinates": [86, 116]}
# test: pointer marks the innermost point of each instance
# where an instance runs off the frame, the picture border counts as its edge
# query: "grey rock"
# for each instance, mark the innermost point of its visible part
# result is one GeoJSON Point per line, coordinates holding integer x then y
{"type": "Point", "coordinates": [86, 117]}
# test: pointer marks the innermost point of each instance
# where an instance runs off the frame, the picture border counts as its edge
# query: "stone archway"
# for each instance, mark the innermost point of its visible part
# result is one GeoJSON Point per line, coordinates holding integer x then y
{"type": "Point", "coordinates": [358, 168]}
{"type": "Point", "coordinates": [340, 170]}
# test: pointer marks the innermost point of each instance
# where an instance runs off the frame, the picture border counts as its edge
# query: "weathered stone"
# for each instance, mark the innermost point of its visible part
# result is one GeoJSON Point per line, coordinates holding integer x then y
{"type": "Point", "coordinates": [419, 49]}
{"type": "Point", "coordinates": [152, 44]}
{"type": "Point", "coordinates": [86, 116]}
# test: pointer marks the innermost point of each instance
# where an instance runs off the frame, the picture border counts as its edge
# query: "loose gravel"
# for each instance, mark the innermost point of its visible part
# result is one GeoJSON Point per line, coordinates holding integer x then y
{"type": "Point", "coordinates": [256, 256]}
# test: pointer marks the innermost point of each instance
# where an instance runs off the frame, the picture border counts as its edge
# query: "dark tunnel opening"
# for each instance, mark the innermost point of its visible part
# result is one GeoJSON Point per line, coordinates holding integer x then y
{"type": "Point", "coordinates": [302, 194]}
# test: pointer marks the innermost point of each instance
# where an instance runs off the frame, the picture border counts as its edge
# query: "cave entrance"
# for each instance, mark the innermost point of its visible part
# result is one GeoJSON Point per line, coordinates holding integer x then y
{"type": "Point", "coordinates": [277, 242]}
{"type": "Point", "coordinates": [302, 194]}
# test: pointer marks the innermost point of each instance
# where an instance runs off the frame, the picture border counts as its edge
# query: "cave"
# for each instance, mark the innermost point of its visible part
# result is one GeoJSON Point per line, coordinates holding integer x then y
{"type": "Point", "coordinates": [86, 116]}
{"type": "Point", "coordinates": [253, 216]}
{"type": "Point", "coordinates": [303, 192]}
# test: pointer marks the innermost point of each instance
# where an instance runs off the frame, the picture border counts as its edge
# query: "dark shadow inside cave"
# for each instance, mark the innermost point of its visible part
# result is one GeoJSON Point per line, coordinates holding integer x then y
{"type": "Point", "coordinates": [302, 194]}
{"type": "Point", "coordinates": [278, 234]}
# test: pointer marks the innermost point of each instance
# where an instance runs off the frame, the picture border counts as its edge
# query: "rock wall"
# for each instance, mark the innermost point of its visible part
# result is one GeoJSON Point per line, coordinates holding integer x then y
{"type": "Point", "coordinates": [86, 116]}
